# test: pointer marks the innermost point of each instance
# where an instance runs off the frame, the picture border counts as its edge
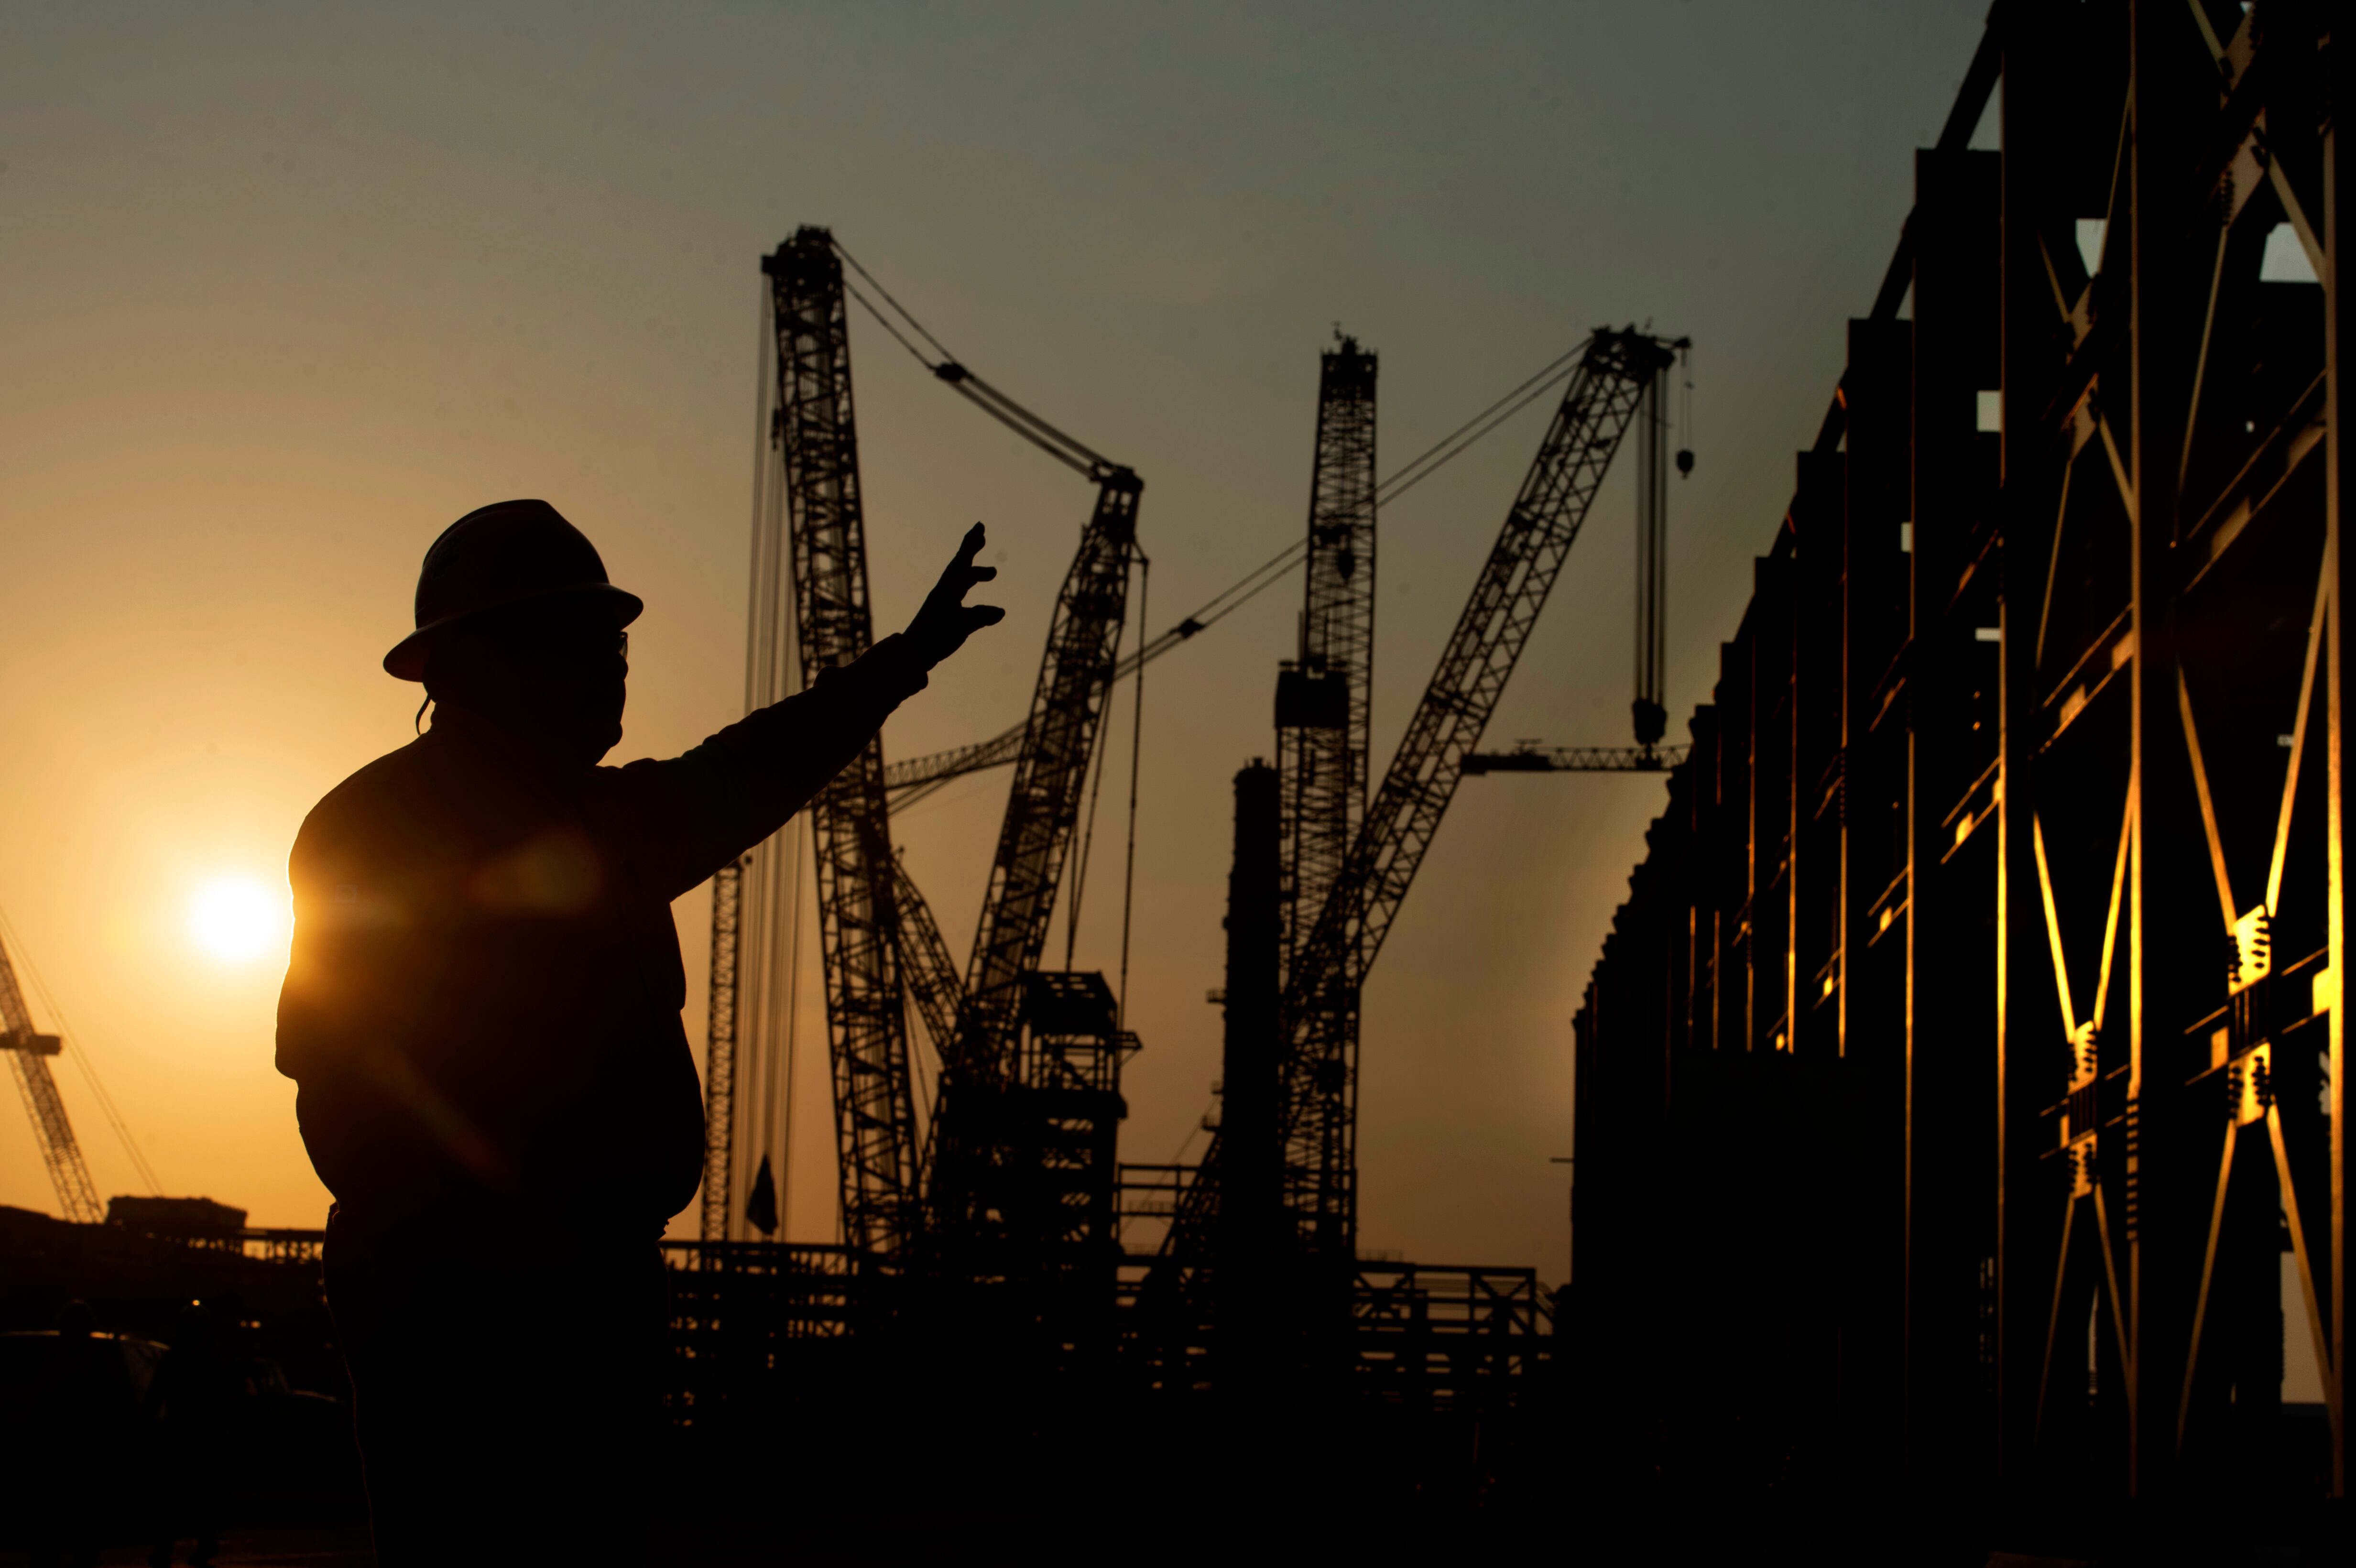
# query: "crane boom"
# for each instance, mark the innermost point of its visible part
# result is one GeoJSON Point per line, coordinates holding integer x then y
{"type": "Point", "coordinates": [934, 988]}
{"type": "Point", "coordinates": [1529, 757]}
{"type": "Point", "coordinates": [1043, 806]}
{"type": "Point", "coordinates": [28, 1052]}
{"type": "Point", "coordinates": [1319, 1100]}
{"type": "Point", "coordinates": [970, 1136]}
{"type": "Point", "coordinates": [816, 434]}
{"type": "Point", "coordinates": [917, 777]}
{"type": "Point", "coordinates": [977, 1127]}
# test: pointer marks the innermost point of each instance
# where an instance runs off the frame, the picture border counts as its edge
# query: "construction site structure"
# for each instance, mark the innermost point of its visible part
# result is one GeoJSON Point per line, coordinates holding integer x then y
{"type": "Point", "coordinates": [907, 1167]}
{"type": "Point", "coordinates": [996, 1211]}
{"type": "Point", "coordinates": [29, 1052]}
{"type": "Point", "coordinates": [1980, 1005]}
{"type": "Point", "coordinates": [1317, 1116]}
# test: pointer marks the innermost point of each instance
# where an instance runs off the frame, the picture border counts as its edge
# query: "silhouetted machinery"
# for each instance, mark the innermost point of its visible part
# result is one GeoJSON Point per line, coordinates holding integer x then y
{"type": "Point", "coordinates": [1313, 1231]}
{"type": "Point", "coordinates": [1009, 1176]}
{"type": "Point", "coordinates": [1020, 1136]}
{"type": "Point", "coordinates": [29, 1052]}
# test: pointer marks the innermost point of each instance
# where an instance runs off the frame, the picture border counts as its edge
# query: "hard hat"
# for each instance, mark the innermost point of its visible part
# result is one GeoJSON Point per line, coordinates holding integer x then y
{"type": "Point", "coordinates": [497, 556]}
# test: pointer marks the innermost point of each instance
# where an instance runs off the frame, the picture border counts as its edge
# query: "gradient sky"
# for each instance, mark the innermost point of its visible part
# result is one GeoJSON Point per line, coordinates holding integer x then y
{"type": "Point", "coordinates": [289, 287]}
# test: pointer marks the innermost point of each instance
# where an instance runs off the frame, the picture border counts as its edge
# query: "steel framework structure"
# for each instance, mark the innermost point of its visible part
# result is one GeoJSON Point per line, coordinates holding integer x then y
{"type": "Point", "coordinates": [1988, 966]}
{"type": "Point", "coordinates": [816, 437]}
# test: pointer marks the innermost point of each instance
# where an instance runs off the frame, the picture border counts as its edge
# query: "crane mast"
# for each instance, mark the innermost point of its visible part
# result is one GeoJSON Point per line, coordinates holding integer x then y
{"type": "Point", "coordinates": [28, 1052]}
{"type": "Point", "coordinates": [1324, 697]}
{"type": "Point", "coordinates": [1318, 1101]}
{"type": "Point", "coordinates": [815, 435]}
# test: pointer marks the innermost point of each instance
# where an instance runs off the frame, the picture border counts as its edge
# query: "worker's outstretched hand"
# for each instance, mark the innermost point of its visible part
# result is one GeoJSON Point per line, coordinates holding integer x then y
{"type": "Point", "coordinates": [945, 620]}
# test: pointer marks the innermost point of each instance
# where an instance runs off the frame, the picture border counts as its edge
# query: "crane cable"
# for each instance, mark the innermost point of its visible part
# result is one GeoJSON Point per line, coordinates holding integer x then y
{"type": "Point", "coordinates": [1415, 471]}
{"type": "Point", "coordinates": [1276, 568]}
{"type": "Point", "coordinates": [1449, 447]}
{"type": "Point", "coordinates": [1064, 449]}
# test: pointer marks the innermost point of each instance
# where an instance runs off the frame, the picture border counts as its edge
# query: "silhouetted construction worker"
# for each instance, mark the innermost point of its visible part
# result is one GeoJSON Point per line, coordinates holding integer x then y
{"type": "Point", "coordinates": [193, 1401]}
{"type": "Point", "coordinates": [482, 1011]}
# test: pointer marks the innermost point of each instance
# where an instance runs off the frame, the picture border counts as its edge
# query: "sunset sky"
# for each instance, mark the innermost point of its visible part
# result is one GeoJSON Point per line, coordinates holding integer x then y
{"type": "Point", "coordinates": [290, 287]}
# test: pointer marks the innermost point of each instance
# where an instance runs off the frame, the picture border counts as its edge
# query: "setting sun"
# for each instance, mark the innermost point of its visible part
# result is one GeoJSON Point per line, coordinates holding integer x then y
{"type": "Point", "coordinates": [235, 918]}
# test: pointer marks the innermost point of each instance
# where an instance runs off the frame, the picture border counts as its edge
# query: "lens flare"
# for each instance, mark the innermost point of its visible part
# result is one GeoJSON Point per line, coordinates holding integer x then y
{"type": "Point", "coordinates": [236, 919]}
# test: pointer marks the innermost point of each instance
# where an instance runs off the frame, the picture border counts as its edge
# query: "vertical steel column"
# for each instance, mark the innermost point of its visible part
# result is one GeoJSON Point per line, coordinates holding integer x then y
{"type": "Point", "coordinates": [1877, 472]}
{"type": "Point", "coordinates": [2036, 1057]}
{"type": "Point", "coordinates": [2172, 90]}
{"type": "Point", "coordinates": [2326, 1278]}
{"type": "Point", "coordinates": [1949, 688]}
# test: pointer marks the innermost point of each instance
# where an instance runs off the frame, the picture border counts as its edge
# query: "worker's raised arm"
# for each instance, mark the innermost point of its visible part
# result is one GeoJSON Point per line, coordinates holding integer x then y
{"type": "Point", "coordinates": [742, 785]}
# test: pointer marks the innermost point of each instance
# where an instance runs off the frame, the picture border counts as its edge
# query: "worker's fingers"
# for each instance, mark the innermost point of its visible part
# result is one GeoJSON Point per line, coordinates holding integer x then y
{"type": "Point", "coordinates": [971, 546]}
{"type": "Point", "coordinates": [983, 574]}
{"type": "Point", "coordinates": [981, 615]}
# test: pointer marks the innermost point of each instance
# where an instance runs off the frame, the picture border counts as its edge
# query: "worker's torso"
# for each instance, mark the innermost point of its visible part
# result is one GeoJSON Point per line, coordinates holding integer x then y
{"type": "Point", "coordinates": [483, 1006]}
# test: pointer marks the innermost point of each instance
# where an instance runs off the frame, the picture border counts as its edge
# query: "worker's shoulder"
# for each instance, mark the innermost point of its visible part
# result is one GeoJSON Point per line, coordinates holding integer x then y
{"type": "Point", "coordinates": [391, 802]}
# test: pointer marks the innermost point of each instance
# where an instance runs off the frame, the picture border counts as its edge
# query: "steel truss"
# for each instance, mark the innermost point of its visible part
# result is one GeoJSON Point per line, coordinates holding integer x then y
{"type": "Point", "coordinates": [1985, 971]}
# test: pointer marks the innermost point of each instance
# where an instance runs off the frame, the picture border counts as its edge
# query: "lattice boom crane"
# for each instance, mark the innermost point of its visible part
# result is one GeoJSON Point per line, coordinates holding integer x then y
{"type": "Point", "coordinates": [29, 1052]}
{"type": "Point", "coordinates": [1319, 1100]}
{"type": "Point", "coordinates": [816, 436]}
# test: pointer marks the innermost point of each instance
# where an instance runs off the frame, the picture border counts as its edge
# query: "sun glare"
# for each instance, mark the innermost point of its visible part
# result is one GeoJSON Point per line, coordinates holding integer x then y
{"type": "Point", "coordinates": [235, 919]}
